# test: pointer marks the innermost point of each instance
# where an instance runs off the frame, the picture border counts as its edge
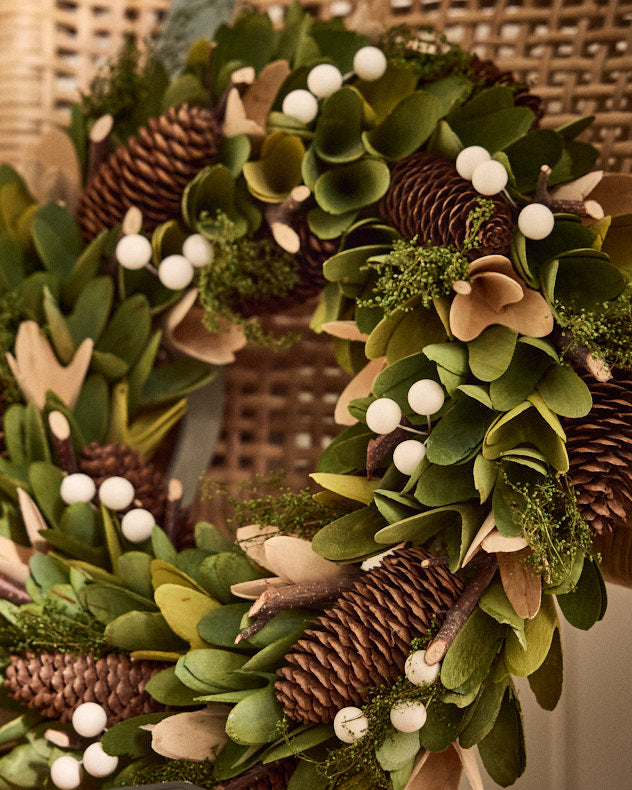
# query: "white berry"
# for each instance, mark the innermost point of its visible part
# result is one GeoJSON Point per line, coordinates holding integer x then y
{"type": "Point", "coordinates": [350, 724]}
{"type": "Point", "coordinates": [418, 672]}
{"type": "Point", "coordinates": [369, 63]}
{"type": "Point", "coordinates": [117, 493]}
{"type": "Point", "coordinates": [198, 250]}
{"type": "Point", "coordinates": [408, 716]}
{"type": "Point", "coordinates": [489, 177]}
{"type": "Point", "coordinates": [66, 772]}
{"type": "Point", "coordinates": [426, 397]}
{"type": "Point", "coordinates": [469, 159]}
{"type": "Point", "coordinates": [536, 221]}
{"type": "Point", "coordinates": [383, 415]}
{"type": "Point", "coordinates": [77, 488]}
{"type": "Point", "coordinates": [97, 762]}
{"type": "Point", "coordinates": [323, 80]}
{"type": "Point", "coordinates": [137, 525]}
{"type": "Point", "coordinates": [89, 719]}
{"type": "Point", "coordinates": [301, 104]}
{"type": "Point", "coordinates": [407, 455]}
{"type": "Point", "coordinates": [175, 272]}
{"type": "Point", "coordinates": [133, 251]}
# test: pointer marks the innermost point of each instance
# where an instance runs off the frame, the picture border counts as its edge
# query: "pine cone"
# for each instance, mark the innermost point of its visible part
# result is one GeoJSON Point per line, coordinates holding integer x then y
{"type": "Point", "coordinates": [364, 640]}
{"type": "Point", "coordinates": [600, 453]}
{"type": "Point", "coordinates": [271, 776]}
{"type": "Point", "coordinates": [101, 461]}
{"type": "Point", "coordinates": [429, 199]}
{"type": "Point", "coordinates": [57, 683]}
{"type": "Point", "coordinates": [489, 72]}
{"type": "Point", "coordinates": [151, 171]}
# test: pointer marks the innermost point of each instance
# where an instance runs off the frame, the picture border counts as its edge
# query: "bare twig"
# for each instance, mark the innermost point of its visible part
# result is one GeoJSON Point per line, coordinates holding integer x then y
{"type": "Point", "coordinates": [310, 594]}
{"type": "Point", "coordinates": [100, 144]}
{"type": "Point", "coordinates": [62, 443]}
{"type": "Point", "coordinates": [461, 610]}
{"type": "Point", "coordinates": [172, 511]}
{"type": "Point", "coordinates": [583, 208]}
{"type": "Point", "coordinates": [279, 218]}
{"type": "Point", "coordinates": [433, 562]}
{"type": "Point", "coordinates": [582, 356]}
{"type": "Point", "coordinates": [12, 591]}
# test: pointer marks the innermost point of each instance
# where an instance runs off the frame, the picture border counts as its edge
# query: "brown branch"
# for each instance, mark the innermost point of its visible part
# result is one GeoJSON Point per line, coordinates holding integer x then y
{"type": "Point", "coordinates": [279, 218]}
{"type": "Point", "coordinates": [433, 562]}
{"type": "Point", "coordinates": [583, 208]}
{"type": "Point", "coordinates": [13, 591]}
{"type": "Point", "coordinates": [461, 610]}
{"type": "Point", "coordinates": [255, 776]}
{"type": "Point", "coordinates": [172, 510]}
{"type": "Point", "coordinates": [62, 443]}
{"type": "Point", "coordinates": [310, 594]}
{"type": "Point", "coordinates": [99, 144]}
{"type": "Point", "coordinates": [580, 354]}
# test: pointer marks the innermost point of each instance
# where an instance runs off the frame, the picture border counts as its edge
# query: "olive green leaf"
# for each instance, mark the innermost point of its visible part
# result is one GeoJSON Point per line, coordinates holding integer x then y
{"type": "Point", "coordinates": [460, 432]}
{"type": "Point", "coordinates": [473, 650]}
{"type": "Point", "coordinates": [538, 634]}
{"type": "Point", "coordinates": [183, 608]}
{"type": "Point", "coordinates": [350, 537]}
{"type": "Point", "coordinates": [254, 720]}
{"type": "Point", "coordinates": [546, 681]}
{"type": "Point", "coordinates": [338, 133]}
{"type": "Point", "coordinates": [397, 750]}
{"type": "Point", "coordinates": [278, 171]}
{"type": "Point", "coordinates": [585, 605]}
{"type": "Point", "coordinates": [406, 128]}
{"type": "Point", "coordinates": [503, 750]}
{"type": "Point", "coordinates": [138, 630]}
{"type": "Point", "coordinates": [491, 352]}
{"type": "Point", "coordinates": [165, 687]}
{"type": "Point", "coordinates": [352, 186]}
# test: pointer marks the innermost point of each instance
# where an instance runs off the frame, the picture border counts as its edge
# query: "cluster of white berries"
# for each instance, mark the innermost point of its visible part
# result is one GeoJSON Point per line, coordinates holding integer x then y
{"type": "Point", "coordinates": [369, 63]}
{"type": "Point", "coordinates": [351, 724]}
{"type": "Point", "coordinates": [490, 177]}
{"type": "Point", "coordinates": [175, 272]}
{"type": "Point", "coordinates": [66, 772]}
{"type": "Point", "coordinates": [116, 493]}
{"type": "Point", "coordinates": [425, 397]}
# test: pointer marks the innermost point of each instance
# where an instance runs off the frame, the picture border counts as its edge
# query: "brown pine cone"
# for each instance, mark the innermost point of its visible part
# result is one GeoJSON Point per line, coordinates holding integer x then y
{"type": "Point", "coordinates": [427, 198]}
{"type": "Point", "coordinates": [57, 683]}
{"type": "Point", "coordinates": [101, 461]}
{"type": "Point", "coordinates": [151, 171]}
{"type": "Point", "coordinates": [600, 453]}
{"type": "Point", "coordinates": [489, 72]}
{"type": "Point", "coordinates": [364, 640]}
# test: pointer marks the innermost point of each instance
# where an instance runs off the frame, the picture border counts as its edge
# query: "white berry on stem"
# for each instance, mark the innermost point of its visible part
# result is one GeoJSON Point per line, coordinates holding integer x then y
{"type": "Point", "coordinates": [469, 159]}
{"type": "Point", "coordinates": [133, 251]}
{"type": "Point", "coordinates": [408, 715]}
{"type": "Point", "coordinates": [97, 762]}
{"type": "Point", "coordinates": [66, 772]}
{"type": "Point", "coordinates": [198, 250]}
{"type": "Point", "coordinates": [489, 178]}
{"type": "Point", "coordinates": [426, 397]}
{"type": "Point", "coordinates": [89, 719]}
{"type": "Point", "coordinates": [369, 63]}
{"type": "Point", "coordinates": [175, 272]}
{"type": "Point", "coordinates": [350, 724]}
{"type": "Point", "coordinates": [418, 672]}
{"type": "Point", "coordinates": [323, 80]}
{"type": "Point", "coordinates": [137, 525]}
{"type": "Point", "coordinates": [77, 488]}
{"type": "Point", "coordinates": [383, 415]}
{"type": "Point", "coordinates": [536, 221]}
{"type": "Point", "coordinates": [300, 104]}
{"type": "Point", "coordinates": [407, 455]}
{"type": "Point", "coordinates": [116, 493]}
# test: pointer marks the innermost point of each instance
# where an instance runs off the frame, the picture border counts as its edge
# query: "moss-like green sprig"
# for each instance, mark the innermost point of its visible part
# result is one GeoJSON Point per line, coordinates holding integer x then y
{"type": "Point", "coordinates": [424, 51]}
{"type": "Point", "coordinates": [423, 270]}
{"type": "Point", "coordinates": [552, 525]}
{"type": "Point", "coordinates": [198, 773]}
{"type": "Point", "coordinates": [52, 629]}
{"type": "Point", "coordinates": [10, 317]}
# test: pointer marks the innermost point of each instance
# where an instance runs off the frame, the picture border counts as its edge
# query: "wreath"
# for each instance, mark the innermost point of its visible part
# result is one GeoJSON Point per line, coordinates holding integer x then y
{"type": "Point", "coordinates": [473, 273]}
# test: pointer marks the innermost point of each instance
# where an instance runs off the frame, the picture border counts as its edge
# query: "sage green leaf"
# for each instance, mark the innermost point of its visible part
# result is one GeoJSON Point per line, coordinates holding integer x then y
{"type": "Point", "coordinates": [491, 352]}
{"type": "Point", "coordinates": [13, 422]}
{"type": "Point", "coordinates": [485, 713]}
{"type": "Point", "coordinates": [386, 92]}
{"type": "Point", "coordinates": [220, 571]}
{"type": "Point", "coordinates": [485, 473]}
{"type": "Point", "coordinates": [518, 381]}
{"type": "Point", "coordinates": [267, 659]}
{"type": "Point", "coordinates": [477, 392]}
{"type": "Point", "coordinates": [351, 487]}
{"type": "Point", "coordinates": [127, 737]}
{"type": "Point", "coordinates": [495, 603]}
{"type": "Point", "coordinates": [230, 697]}
{"type": "Point", "coordinates": [352, 186]}
{"type": "Point", "coordinates": [31, 293]}
{"type": "Point", "coordinates": [304, 740]}
{"type": "Point", "coordinates": [459, 432]}
{"type": "Point", "coordinates": [585, 605]}
{"type": "Point", "coordinates": [450, 92]}
{"type": "Point", "coordinates": [420, 527]}
{"type": "Point", "coordinates": [443, 725]}
{"type": "Point", "coordinates": [507, 504]}
{"type": "Point", "coordinates": [397, 750]}
{"type": "Point", "coordinates": [165, 573]}
{"type": "Point", "coordinates": [94, 555]}
{"type": "Point", "coordinates": [80, 522]}
{"type": "Point", "coordinates": [546, 681]}
{"type": "Point", "coordinates": [183, 608]}
{"type": "Point", "coordinates": [284, 624]}
{"type": "Point", "coordinates": [12, 255]}
{"type": "Point", "coordinates": [59, 333]}
{"type": "Point", "coordinates": [25, 766]}
{"type": "Point", "coordinates": [347, 266]}
{"type": "Point", "coordinates": [538, 634]}
{"type": "Point", "coordinates": [234, 152]}
{"type": "Point", "coordinates": [568, 234]}
{"type": "Point", "coordinates": [211, 192]}
{"type": "Point", "coordinates": [503, 750]}
{"type": "Point", "coordinates": [110, 532]}
{"type": "Point", "coordinates": [233, 759]}
{"type": "Point", "coordinates": [222, 625]}
{"type": "Point", "coordinates": [35, 436]}
{"type": "Point", "coordinates": [443, 485]}
{"type": "Point", "coordinates": [167, 689]}
{"type": "Point", "coordinates": [329, 226]}
{"type": "Point", "coordinates": [473, 650]}
{"type": "Point", "coordinates": [348, 454]}
{"type": "Point", "coordinates": [396, 379]}
{"type": "Point", "coordinates": [92, 410]}
{"type": "Point", "coordinates": [48, 571]}
{"type": "Point", "coordinates": [615, 244]}
{"type": "Point", "coordinates": [451, 356]}
{"type": "Point", "coordinates": [209, 670]}
{"type": "Point", "coordinates": [254, 720]}
{"type": "Point", "coordinates": [528, 154]}
{"type": "Point", "coordinates": [350, 537]}
{"type": "Point", "coordinates": [250, 40]}
{"type": "Point", "coordinates": [143, 631]}
{"type": "Point", "coordinates": [209, 538]}
{"type": "Point", "coordinates": [56, 238]}
{"type": "Point", "coordinates": [338, 134]}
{"type": "Point", "coordinates": [162, 547]}
{"type": "Point", "coordinates": [128, 330]}
{"type": "Point", "coordinates": [393, 506]}
{"type": "Point", "coordinates": [444, 142]}
{"type": "Point", "coordinates": [491, 120]}
{"type": "Point", "coordinates": [87, 267]}
{"type": "Point", "coordinates": [108, 365]}
{"type": "Point", "coordinates": [406, 128]}
{"type": "Point", "coordinates": [46, 481]}
{"type": "Point", "coordinates": [106, 602]}
{"type": "Point", "coordinates": [587, 278]}
{"type": "Point", "coordinates": [91, 310]}
{"type": "Point", "coordinates": [278, 171]}
{"type": "Point", "coordinates": [16, 729]}
{"type": "Point", "coordinates": [416, 329]}
{"type": "Point", "coordinates": [134, 568]}
{"type": "Point", "coordinates": [565, 393]}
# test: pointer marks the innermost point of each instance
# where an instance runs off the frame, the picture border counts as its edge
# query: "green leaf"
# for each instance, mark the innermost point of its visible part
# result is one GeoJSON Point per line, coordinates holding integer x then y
{"type": "Point", "coordinates": [546, 681]}
{"type": "Point", "coordinates": [491, 120]}
{"type": "Point", "coordinates": [350, 537]}
{"type": "Point", "coordinates": [397, 750]}
{"type": "Point", "coordinates": [26, 767]}
{"type": "Point", "coordinates": [485, 713]}
{"type": "Point", "coordinates": [406, 128]}
{"type": "Point", "coordinates": [485, 474]}
{"type": "Point", "coordinates": [491, 352]}
{"type": "Point", "coordinates": [134, 569]}
{"type": "Point", "coordinates": [352, 186]}
{"type": "Point", "coordinates": [162, 547]}
{"type": "Point", "coordinates": [209, 538]}
{"type": "Point", "coordinates": [267, 659]}
{"type": "Point", "coordinates": [584, 606]}
{"type": "Point", "coordinates": [46, 482]}
{"type": "Point", "coordinates": [338, 133]}
{"type": "Point", "coordinates": [128, 330]}
{"type": "Point", "coordinates": [16, 729]}
{"type": "Point", "coordinates": [278, 171]}
{"type": "Point", "coordinates": [91, 310]}
{"type": "Point", "coordinates": [209, 671]}
{"type": "Point", "coordinates": [528, 154]}
{"type": "Point", "coordinates": [284, 624]}
{"type": "Point", "coordinates": [351, 487]}
{"type": "Point", "coordinates": [127, 737]}
{"type": "Point", "coordinates": [565, 393]}
{"type": "Point", "coordinates": [56, 238]}
{"type": "Point", "coordinates": [442, 726]}
{"type": "Point", "coordinates": [459, 432]}
{"type": "Point", "coordinates": [495, 603]}
{"type": "Point", "coordinates": [503, 750]}
{"type": "Point", "coordinates": [81, 522]}
{"type": "Point", "coordinates": [396, 379]}
{"type": "Point", "coordinates": [521, 377]}
{"type": "Point", "coordinates": [222, 625]}
{"type": "Point", "coordinates": [92, 410]}
{"type": "Point", "coordinates": [254, 720]}
{"type": "Point", "coordinates": [59, 333]}
{"type": "Point", "coordinates": [35, 436]}
{"type": "Point", "coordinates": [143, 631]}
{"type": "Point", "coordinates": [220, 571]}
{"type": "Point", "coordinates": [112, 541]}
{"type": "Point", "coordinates": [48, 571]}
{"type": "Point", "coordinates": [86, 267]}
{"type": "Point", "coordinates": [473, 650]}
{"type": "Point", "coordinates": [183, 608]}
{"type": "Point", "coordinates": [449, 91]}
{"type": "Point", "coordinates": [106, 602]}
{"type": "Point", "coordinates": [538, 634]}
{"type": "Point", "coordinates": [443, 485]}
{"type": "Point", "coordinates": [306, 739]}
{"type": "Point", "coordinates": [165, 573]}
{"type": "Point", "coordinates": [165, 687]}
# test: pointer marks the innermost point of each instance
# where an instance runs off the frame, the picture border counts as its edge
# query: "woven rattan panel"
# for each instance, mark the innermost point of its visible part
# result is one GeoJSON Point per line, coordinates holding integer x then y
{"type": "Point", "coordinates": [577, 54]}
{"type": "Point", "coordinates": [50, 49]}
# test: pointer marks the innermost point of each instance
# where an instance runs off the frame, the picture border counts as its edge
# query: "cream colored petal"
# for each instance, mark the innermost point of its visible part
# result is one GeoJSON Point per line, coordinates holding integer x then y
{"type": "Point", "coordinates": [579, 188]}
{"type": "Point", "coordinates": [614, 194]}
{"type": "Point", "coordinates": [294, 559]}
{"type": "Point", "coordinates": [250, 591]}
{"type": "Point", "coordinates": [193, 735]}
{"type": "Point", "coordinates": [259, 98]}
{"type": "Point", "coordinates": [360, 386]}
{"type": "Point", "coordinates": [436, 771]}
{"type": "Point", "coordinates": [470, 766]}
{"type": "Point", "coordinates": [492, 263]}
{"type": "Point", "coordinates": [235, 119]}
{"type": "Point", "coordinates": [497, 290]}
{"type": "Point", "coordinates": [496, 541]}
{"type": "Point", "coordinates": [51, 169]}
{"type": "Point", "coordinates": [73, 375]}
{"type": "Point", "coordinates": [33, 521]}
{"type": "Point", "coordinates": [14, 560]}
{"type": "Point", "coordinates": [522, 585]}
{"type": "Point", "coordinates": [347, 330]}
{"type": "Point", "coordinates": [251, 539]}
{"type": "Point", "coordinates": [185, 331]}
{"type": "Point", "coordinates": [486, 527]}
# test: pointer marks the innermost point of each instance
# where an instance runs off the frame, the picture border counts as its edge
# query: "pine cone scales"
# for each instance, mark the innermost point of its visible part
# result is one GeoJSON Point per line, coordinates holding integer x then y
{"type": "Point", "coordinates": [364, 640]}
{"type": "Point", "coordinates": [56, 683]}
{"type": "Point", "coordinates": [151, 171]}
{"type": "Point", "coordinates": [600, 453]}
{"type": "Point", "coordinates": [101, 461]}
{"type": "Point", "coordinates": [429, 199]}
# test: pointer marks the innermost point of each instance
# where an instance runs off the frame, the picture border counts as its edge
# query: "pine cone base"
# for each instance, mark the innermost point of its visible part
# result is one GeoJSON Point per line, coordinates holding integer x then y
{"type": "Point", "coordinates": [364, 640]}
